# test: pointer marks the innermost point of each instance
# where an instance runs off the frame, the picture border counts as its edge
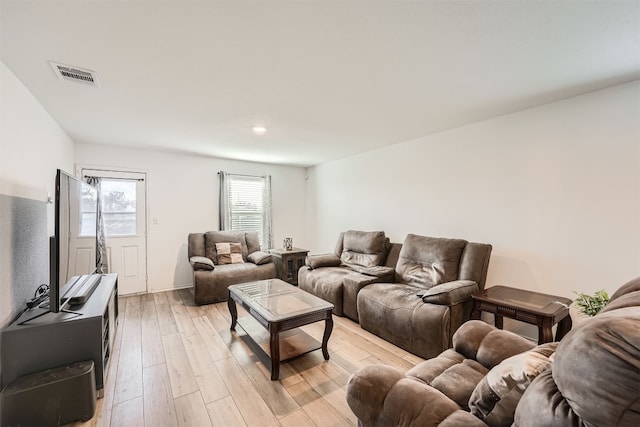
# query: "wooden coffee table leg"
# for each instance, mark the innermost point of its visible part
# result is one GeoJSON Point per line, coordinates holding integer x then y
{"type": "Point", "coordinates": [234, 312]}
{"type": "Point", "coordinates": [328, 328]}
{"type": "Point", "coordinates": [274, 345]}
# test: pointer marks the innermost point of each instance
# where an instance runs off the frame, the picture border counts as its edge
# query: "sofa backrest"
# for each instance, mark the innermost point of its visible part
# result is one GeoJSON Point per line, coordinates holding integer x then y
{"type": "Point", "coordinates": [204, 244]}
{"type": "Point", "coordinates": [428, 261]}
{"type": "Point", "coordinates": [362, 248]}
{"type": "Point", "coordinates": [595, 377]}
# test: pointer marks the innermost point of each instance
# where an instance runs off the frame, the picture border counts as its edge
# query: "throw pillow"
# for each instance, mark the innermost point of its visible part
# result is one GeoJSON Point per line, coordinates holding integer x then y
{"type": "Point", "coordinates": [495, 398]}
{"type": "Point", "coordinates": [259, 257]}
{"type": "Point", "coordinates": [229, 253]}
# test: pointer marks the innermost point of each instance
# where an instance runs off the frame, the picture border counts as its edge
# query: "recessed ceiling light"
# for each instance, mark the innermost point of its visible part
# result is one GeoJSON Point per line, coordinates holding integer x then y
{"type": "Point", "coordinates": [259, 130]}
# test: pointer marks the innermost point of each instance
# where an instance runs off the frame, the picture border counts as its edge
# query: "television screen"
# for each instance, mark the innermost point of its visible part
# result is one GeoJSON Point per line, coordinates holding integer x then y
{"type": "Point", "coordinates": [73, 248]}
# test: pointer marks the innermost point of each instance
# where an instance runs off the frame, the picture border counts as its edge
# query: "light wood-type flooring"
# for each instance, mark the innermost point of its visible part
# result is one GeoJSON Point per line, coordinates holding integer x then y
{"type": "Point", "coordinates": [177, 364]}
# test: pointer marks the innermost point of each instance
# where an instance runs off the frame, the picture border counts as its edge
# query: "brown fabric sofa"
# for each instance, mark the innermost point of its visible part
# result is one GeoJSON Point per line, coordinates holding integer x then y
{"type": "Point", "coordinates": [360, 258]}
{"type": "Point", "coordinates": [429, 296]}
{"type": "Point", "coordinates": [496, 378]}
{"type": "Point", "coordinates": [210, 279]}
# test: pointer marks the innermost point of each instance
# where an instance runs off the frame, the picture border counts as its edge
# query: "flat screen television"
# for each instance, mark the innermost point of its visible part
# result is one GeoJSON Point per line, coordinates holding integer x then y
{"type": "Point", "coordinates": [72, 249]}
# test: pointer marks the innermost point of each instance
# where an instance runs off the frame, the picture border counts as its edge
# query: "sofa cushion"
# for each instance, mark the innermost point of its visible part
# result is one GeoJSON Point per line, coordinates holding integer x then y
{"type": "Point", "coordinates": [363, 248]}
{"type": "Point", "coordinates": [229, 253]}
{"type": "Point", "coordinates": [201, 263]}
{"type": "Point", "coordinates": [213, 237]}
{"type": "Point", "coordinates": [495, 398]}
{"type": "Point", "coordinates": [259, 257]}
{"type": "Point", "coordinates": [429, 261]}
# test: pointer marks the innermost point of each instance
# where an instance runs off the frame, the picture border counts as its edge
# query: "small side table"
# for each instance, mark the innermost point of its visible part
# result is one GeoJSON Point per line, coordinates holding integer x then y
{"type": "Point", "coordinates": [530, 307]}
{"type": "Point", "coordinates": [288, 263]}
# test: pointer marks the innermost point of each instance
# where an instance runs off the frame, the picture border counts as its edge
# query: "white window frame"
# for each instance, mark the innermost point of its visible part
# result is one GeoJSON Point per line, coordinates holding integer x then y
{"type": "Point", "coordinates": [245, 205]}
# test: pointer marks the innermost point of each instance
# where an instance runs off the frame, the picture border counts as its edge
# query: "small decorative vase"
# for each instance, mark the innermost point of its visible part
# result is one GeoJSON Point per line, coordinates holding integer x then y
{"type": "Point", "coordinates": [288, 243]}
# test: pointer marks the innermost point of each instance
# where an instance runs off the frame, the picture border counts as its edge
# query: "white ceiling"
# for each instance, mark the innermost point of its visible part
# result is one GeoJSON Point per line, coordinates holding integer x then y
{"type": "Point", "coordinates": [328, 79]}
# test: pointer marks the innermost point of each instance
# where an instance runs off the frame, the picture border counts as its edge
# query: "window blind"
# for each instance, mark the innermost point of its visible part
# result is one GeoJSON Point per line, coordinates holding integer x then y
{"type": "Point", "coordinates": [247, 200]}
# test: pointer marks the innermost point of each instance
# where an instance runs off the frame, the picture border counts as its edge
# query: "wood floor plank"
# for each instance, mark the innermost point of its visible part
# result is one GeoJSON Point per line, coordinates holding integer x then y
{"type": "Point", "coordinates": [128, 414]}
{"type": "Point", "coordinates": [183, 380]}
{"type": "Point", "coordinates": [252, 407]}
{"type": "Point", "coordinates": [184, 322]}
{"type": "Point", "coordinates": [225, 413]}
{"type": "Point", "coordinates": [298, 418]}
{"type": "Point", "coordinates": [315, 406]}
{"type": "Point", "coordinates": [152, 353]}
{"type": "Point", "coordinates": [166, 320]}
{"type": "Point", "coordinates": [129, 374]}
{"type": "Point", "coordinates": [209, 380]}
{"type": "Point", "coordinates": [160, 298]}
{"type": "Point", "coordinates": [214, 344]}
{"type": "Point", "coordinates": [321, 383]}
{"type": "Point", "coordinates": [159, 407]}
{"type": "Point", "coordinates": [191, 411]}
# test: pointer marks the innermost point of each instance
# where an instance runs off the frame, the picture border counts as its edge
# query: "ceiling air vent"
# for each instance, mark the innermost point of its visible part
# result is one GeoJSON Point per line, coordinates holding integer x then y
{"type": "Point", "coordinates": [75, 74]}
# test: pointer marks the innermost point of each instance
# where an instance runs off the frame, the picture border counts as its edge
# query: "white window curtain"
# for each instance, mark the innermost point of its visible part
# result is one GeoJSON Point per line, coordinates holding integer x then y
{"type": "Point", "coordinates": [245, 205]}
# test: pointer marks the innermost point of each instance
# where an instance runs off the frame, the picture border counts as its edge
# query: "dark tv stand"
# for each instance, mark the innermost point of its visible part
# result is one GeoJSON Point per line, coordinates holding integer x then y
{"type": "Point", "coordinates": [59, 339]}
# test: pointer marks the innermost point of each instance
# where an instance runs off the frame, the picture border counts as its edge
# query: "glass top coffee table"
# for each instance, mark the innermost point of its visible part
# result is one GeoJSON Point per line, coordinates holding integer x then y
{"type": "Point", "coordinates": [279, 307]}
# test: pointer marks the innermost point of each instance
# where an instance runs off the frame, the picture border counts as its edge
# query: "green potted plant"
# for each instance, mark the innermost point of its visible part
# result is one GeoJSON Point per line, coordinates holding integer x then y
{"type": "Point", "coordinates": [586, 306]}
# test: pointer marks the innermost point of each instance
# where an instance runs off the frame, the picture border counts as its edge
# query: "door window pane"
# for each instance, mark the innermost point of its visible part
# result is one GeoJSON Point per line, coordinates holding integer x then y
{"type": "Point", "coordinates": [119, 207]}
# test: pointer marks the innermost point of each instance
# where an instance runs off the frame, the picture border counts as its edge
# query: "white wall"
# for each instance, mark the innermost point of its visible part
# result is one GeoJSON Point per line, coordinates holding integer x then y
{"type": "Point", "coordinates": [183, 196]}
{"type": "Point", "coordinates": [32, 147]}
{"type": "Point", "coordinates": [554, 189]}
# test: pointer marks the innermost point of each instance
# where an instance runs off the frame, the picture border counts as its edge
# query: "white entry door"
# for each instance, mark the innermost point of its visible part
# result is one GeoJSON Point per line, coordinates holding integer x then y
{"type": "Point", "coordinates": [125, 224]}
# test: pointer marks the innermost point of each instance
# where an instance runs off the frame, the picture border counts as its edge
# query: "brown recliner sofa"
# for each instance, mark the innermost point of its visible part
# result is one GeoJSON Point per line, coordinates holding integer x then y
{"type": "Point", "coordinates": [360, 258]}
{"type": "Point", "coordinates": [429, 296]}
{"type": "Point", "coordinates": [211, 279]}
{"type": "Point", "coordinates": [496, 378]}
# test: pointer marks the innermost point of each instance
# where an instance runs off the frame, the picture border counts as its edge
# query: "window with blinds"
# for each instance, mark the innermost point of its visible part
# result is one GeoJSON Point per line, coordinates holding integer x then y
{"type": "Point", "coordinates": [248, 205]}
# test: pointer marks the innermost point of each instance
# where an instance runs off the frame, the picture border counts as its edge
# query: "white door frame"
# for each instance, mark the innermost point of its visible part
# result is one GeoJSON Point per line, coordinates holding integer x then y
{"type": "Point", "coordinates": [78, 173]}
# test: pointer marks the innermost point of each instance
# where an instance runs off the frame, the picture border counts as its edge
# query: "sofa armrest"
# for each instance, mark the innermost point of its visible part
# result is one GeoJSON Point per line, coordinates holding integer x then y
{"type": "Point", "coordinates": [259, 257]}
{"type": "Point", "coordinates": [450, 293]}
{"type": "Point", "coordinates": [322, 260]}
{"type": "Point", "coordinates": [201, 263]}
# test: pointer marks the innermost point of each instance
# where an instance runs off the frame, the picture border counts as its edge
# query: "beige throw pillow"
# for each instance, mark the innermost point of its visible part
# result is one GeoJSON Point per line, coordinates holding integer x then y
{"type": "Point", "coordinates": [229, 253]}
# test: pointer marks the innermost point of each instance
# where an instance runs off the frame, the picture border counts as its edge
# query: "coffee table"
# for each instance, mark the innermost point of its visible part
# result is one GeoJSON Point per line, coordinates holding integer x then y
{"type": "Point", "coordinates": [280, 307]}
{"type": "Point", "coordinates": [530, 307]}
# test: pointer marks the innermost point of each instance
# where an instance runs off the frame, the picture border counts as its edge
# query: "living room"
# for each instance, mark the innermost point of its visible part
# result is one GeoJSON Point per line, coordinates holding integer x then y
{"type": "Point", "coordinates": [553, 186]}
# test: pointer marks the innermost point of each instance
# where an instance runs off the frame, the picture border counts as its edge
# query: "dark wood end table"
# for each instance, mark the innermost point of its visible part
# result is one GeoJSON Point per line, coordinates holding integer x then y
{"type": "Point", "coordinates": [280, 308]}
{"type": "Point", "coordinates": [535, 308]}
{"type": "Point", "coordinates": [288, 262]}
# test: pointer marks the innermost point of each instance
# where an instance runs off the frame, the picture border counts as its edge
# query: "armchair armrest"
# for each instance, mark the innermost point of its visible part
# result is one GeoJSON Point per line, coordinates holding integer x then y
{"type": "Point", "coordinates": [450, 293]}
{"type": "Point", "coordinates": [322, 260]}
{"type": "Point", "coordinates": [201, 263]}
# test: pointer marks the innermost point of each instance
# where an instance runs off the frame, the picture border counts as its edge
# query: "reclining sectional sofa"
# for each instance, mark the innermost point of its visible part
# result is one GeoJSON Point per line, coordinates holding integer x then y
{"type": "Point", "coordinates": [223, 258]}
{"type": "Point", "coordinates": [414, 295]}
